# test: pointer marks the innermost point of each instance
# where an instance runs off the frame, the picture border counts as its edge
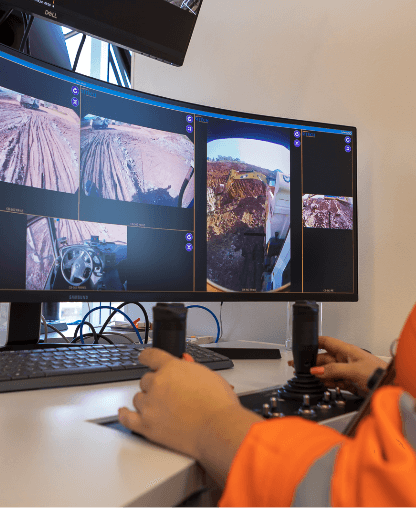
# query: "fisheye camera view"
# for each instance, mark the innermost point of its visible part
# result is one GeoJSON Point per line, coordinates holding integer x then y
{"type": "Point", "coordinates": [35, 134]}
{"type": "Point", "coordinates": [248, 215]}
{"type": "Point", "coordinates": [62, 253]}
{"type": "Point", "coordinates": [327, 212]}
{"type": "Point", "coordinates": [128, 162]}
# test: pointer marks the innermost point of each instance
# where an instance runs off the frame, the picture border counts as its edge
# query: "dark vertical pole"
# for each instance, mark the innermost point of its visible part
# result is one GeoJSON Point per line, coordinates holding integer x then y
{"type": "Point", "coordinates": [50, 311]}
{"type": "Point", "coordinates": [24, 324]}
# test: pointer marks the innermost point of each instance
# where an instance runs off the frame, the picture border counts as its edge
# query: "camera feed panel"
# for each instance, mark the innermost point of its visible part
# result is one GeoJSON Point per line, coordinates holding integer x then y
{"type": "Point", "coordinates": [327, 212]}
{"type": "Point", "coordinates": [136, 168]}
{"type": "Point", "coordinates": [66, 254]}
{"type": "Point", "coordinates": [248, 210]}
{"type": "Point", "coordinates": [39, 150]}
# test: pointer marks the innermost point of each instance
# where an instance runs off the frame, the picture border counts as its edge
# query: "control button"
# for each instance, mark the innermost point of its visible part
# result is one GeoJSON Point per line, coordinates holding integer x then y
{"type": "Point", "coordinates": [305, 409]}
{"type": "Point", "coordinates": [275, 405]}
{"type": "Point", "coordinates": [189, 237]}
{"type": "Point", "coordinates": [339, 398]}
{"type": "Point", "coordinates": [189, 128]}
{"type": "Point", "coordinates": [75, 90]}
{"type": "Point", "coordinates": [347, 139]}
{"type": "Point", "coordinates": [189, 118]}
{"type": "Point", "coordinates": [266, 410]}
{"type": "Point", "coordinates": [297, 134]}
{"type": "Point", "coordinates": [189, 247]}
{"type": "Point", "coordinates": [74, 102]}
{"type": "Point", "coordinates": [296, 143]}
{"type": "Point", "coordinates": [325, 403]}
{"type": "Point", "coordinates": [348, 148]}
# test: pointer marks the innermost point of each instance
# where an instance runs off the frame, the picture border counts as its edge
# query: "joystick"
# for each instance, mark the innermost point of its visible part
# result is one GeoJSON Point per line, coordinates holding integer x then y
{"type": "Point", "coordinates": [305, 351]}
{"type": "Point", "coordinates": [303, 395]}
{"type": "Point", "coordinates": [169, 328]}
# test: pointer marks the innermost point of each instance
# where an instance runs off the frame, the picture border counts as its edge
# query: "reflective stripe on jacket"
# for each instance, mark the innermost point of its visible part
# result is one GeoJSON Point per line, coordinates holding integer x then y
{"type": "Point", "coordinates": [292, 461]}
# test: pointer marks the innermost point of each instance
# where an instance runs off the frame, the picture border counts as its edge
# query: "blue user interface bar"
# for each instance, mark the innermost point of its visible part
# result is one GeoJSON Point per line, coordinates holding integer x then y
{"type": "Point", "coordinates": [169, 106]}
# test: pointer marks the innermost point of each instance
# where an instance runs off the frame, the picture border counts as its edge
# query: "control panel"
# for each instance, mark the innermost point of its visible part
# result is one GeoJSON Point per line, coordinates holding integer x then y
{"type": "Point", "coordinates": [270, 404]}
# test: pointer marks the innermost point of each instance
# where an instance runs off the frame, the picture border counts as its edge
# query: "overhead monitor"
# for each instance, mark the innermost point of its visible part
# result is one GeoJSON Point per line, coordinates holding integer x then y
{"type": "Point", "coordinates": [108, 194]}
{"type": "Point", "coordinates": [161, 29]}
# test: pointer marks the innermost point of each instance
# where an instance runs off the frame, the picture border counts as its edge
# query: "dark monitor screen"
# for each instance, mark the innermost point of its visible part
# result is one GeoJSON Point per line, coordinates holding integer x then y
{"type": "Point", "coordinates": [161, 29]}
{"type": "Point", "coordinates": [116, 195]}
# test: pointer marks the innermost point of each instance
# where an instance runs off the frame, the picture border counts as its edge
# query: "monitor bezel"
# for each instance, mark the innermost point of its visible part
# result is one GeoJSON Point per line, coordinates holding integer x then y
{"type": "Point", "coordinates": [130, 26]}
{"type": "Point", "coordinates": [32, 296]}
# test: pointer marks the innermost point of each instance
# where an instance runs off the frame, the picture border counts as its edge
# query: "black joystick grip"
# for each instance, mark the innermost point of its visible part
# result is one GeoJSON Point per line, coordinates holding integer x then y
{"type": "Point", "coordinates": [305, 335]}
{"type": "Point", "coordinates": [305, 350]}
{"type": "Point", "coordinates": [169, 328]}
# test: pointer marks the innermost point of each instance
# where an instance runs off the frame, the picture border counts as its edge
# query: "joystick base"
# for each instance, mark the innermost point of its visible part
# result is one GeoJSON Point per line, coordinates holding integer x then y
{"type": "Point", "coordinates": [302, 384]}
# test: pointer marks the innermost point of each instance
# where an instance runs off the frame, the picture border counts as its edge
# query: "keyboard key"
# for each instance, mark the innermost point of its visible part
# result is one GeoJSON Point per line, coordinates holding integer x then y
{"type": "Point", "coordinates": [132, 365]}
{"type": "Point", "coordinates": [20, 375]}
{"type": "Point", "coordinates": [116, 366]}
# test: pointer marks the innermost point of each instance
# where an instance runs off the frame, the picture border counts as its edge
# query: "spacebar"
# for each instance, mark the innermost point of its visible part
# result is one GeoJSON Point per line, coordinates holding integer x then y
{"type": "Point", "coordinates": [75, 370]}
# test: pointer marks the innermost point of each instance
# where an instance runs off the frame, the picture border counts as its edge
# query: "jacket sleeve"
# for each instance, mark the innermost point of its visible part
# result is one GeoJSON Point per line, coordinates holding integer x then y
{"type": "Point", "coordinates": [378, 466]}
{"type": "Point", "coordinates": [284, 462]}
{"type": "Point", "coordinates": [273, 458]}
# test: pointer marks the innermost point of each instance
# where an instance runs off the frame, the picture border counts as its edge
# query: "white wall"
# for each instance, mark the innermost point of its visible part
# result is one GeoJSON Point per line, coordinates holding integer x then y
{"type": "Point", "coordinates": [350, 63]}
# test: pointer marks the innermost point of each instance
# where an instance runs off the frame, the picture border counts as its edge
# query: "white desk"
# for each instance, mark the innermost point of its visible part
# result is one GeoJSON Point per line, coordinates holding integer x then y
{"type": "Point", "coordinates": [52, 455]}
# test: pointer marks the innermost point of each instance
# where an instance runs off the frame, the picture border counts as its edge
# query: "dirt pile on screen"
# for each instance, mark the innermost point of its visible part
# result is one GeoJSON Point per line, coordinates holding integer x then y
{"type": "Point", "coordinates": [235, 226]}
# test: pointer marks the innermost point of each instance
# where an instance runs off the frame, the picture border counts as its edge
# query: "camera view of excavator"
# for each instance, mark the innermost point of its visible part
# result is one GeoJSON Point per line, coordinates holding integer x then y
{"type": "Point", "coordinates": [248, 223]}
{"type": "Point", "coordinates": [61, 254]}
{"type": "Point", "coordinates": [34, 135]}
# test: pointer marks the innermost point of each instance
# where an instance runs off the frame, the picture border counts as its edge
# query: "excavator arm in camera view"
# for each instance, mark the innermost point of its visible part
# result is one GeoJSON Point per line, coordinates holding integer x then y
{"type": "Point", "coordinates": [243, 175]}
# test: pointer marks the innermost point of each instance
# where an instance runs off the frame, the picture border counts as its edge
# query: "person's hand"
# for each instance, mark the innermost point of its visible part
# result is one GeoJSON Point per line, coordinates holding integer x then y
{"type": "Point", "coordinates": [177, 399]}
{"type": "Point", "coordinates": [344, 365]}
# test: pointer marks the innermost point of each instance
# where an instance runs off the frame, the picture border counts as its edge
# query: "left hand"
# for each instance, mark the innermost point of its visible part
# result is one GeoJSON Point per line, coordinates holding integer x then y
{"type": "Point", "coordinates": [177, 400]}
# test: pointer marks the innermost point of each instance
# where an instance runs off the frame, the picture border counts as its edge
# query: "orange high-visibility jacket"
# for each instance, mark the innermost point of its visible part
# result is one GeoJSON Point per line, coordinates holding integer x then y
{"type": "Point", "coordinates": [295, 462]}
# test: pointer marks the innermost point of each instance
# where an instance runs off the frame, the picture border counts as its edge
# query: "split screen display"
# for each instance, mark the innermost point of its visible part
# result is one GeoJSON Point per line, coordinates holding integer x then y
{"type": "Point", "coordinates": [108, 189]}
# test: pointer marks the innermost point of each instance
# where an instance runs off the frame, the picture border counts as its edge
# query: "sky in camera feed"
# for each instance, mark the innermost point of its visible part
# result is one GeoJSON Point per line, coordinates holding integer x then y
{"type": "Point", "coordinates": [252, 151]}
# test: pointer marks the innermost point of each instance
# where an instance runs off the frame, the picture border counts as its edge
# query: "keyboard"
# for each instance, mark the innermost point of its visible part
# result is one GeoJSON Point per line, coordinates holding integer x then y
{"type": "Point", "coordinates": [72, 365]}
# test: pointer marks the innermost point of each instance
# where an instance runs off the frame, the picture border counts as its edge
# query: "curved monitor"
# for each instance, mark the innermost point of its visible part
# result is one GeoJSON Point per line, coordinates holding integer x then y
{"type": "Point", "coordinates": [115, 195]}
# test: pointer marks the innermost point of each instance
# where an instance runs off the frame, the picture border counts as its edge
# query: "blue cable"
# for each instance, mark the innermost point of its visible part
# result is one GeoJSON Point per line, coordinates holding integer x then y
{"type": "Point", "coordinates": [210, 311]}
{"type": "Point", "coordinates": [112, 308]}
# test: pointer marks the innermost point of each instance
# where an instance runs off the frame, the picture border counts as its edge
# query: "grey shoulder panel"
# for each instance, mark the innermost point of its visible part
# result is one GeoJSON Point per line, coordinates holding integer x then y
{"type": "Point", "coordinates": [408, 417]}
{"type": "Point", "coordinates": [315, 488]}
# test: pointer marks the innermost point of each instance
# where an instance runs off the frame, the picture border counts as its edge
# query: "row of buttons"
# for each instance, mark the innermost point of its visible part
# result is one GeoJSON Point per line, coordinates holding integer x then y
{"type": "Point", "coordinates": [273, 409]}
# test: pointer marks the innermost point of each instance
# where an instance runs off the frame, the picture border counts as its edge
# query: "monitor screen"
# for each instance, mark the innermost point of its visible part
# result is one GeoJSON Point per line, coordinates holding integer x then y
{"type": "Point", "coordinates": [161, 29]}
{"type": "Point", "coordinates": [116, 195]}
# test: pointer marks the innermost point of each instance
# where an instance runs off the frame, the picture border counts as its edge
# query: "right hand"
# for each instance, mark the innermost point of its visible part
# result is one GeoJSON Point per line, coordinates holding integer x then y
{"type": "Point", "coordinates": [345, 365]}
